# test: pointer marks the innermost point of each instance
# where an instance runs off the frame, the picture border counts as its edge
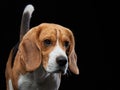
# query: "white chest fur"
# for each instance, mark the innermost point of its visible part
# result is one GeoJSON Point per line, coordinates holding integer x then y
{"type": "Point", "coordinates": [39, 80]}
{"type": "Point", "coordinates": [10, 85]}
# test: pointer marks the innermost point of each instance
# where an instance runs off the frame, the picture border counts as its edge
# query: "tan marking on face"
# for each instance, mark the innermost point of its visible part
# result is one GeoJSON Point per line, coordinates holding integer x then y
{"type": "Point", "coordinates": [57, 36]}
{"type": "Point", "coordinates": [63, 37]}
{"type": "Point", "coordinates": [48, 33]}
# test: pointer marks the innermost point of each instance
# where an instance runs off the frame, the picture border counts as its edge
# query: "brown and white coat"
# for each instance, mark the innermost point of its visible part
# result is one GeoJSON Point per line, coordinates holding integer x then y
{"type": "Point", "coordinates": [44, 53]}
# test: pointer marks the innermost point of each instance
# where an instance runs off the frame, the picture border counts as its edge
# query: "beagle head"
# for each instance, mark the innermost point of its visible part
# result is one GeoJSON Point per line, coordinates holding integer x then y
{"type": "Point", "coordinates": [51, 46]}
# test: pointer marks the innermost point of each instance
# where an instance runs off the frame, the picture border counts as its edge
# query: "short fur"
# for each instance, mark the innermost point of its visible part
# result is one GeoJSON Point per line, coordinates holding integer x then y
{"type": "Point", "coordinates": [35, 65]}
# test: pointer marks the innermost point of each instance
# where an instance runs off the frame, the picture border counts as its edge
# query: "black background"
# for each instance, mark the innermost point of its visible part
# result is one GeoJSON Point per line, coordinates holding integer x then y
{"type": "Point", "coordinates": [87, 20]}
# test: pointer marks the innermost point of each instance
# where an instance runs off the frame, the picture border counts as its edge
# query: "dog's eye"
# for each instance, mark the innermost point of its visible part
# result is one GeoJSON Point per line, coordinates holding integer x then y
{"type": "Point", "coordinates": [47, 42]}
{"type": "Point", "coordinates": [66, 44]}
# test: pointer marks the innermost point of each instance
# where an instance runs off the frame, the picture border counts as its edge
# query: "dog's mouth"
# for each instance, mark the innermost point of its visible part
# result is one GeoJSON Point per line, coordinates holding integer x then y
{"type": "Point", "coordinates": [57, 69]}
{"type": "Point", "coordinates": [61, 70]}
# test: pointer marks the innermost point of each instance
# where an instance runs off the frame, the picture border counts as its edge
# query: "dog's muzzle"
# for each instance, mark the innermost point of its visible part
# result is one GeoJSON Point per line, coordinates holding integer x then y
{"type": "Point", "coordinates": [62, 64]}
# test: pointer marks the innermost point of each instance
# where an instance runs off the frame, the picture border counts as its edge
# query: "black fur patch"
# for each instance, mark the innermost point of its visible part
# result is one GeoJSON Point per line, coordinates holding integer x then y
{"type": "Point", "coordinates": [15, 49]}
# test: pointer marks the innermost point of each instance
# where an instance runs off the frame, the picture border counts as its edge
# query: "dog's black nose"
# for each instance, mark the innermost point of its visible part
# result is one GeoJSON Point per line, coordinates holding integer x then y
{"type": "Point", "coordinates": [61, 60]}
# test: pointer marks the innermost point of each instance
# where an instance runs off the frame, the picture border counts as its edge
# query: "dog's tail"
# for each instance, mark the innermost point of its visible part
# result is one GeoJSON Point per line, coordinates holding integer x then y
{"type": "Point", "coordinates": [25, 22]}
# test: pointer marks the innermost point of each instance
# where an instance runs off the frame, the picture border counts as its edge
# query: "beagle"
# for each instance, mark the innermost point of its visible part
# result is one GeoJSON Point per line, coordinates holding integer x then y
{"type": "Point", "coordinates": [43, 54]}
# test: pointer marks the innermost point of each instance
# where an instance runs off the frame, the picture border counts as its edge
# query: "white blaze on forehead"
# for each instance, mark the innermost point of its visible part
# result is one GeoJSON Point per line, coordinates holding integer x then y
{"type": "Point", "coordinates": [56, 52]}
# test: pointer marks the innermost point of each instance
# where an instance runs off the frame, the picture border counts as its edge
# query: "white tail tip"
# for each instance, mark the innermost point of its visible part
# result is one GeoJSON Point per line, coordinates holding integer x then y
{"type": "Point", "coordinates": [29, 8]}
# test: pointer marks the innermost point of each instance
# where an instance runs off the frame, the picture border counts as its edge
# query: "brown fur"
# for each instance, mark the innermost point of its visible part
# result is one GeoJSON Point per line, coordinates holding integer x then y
{"type": "Point", "coordinates": [32, 53]}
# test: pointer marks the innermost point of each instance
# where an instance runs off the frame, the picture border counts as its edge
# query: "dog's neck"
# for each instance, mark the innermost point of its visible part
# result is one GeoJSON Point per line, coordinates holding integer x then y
{"type": "Point", "coordinates": [39, 80]}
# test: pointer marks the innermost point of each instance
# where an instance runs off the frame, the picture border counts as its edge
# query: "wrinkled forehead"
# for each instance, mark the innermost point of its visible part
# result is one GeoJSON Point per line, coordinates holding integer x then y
{"type": "Point", "coordinates": [54, 31]}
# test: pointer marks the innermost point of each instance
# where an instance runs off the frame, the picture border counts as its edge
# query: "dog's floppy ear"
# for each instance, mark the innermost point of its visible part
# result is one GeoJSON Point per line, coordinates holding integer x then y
{"type": "Point", "coordinates": [73, 58]}
{"type": "Point", "coordinates": [31, 56]}
{"type": "Point", "coordinates": [73, 62]}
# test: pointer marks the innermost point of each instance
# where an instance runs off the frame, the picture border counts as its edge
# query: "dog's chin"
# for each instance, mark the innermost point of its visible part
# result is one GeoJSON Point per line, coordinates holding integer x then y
{"type": "Point", "coordinates": [63, 72]}
{"type": "Point", "coordinates": [60, 70]}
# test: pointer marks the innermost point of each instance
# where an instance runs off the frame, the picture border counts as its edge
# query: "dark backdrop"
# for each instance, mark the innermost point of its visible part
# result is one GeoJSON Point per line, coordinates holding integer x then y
{"type": "Point", "coordinates": [87, 20]}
